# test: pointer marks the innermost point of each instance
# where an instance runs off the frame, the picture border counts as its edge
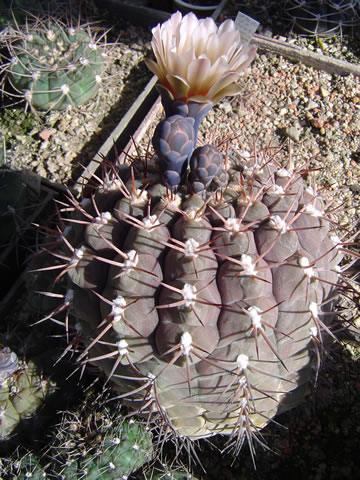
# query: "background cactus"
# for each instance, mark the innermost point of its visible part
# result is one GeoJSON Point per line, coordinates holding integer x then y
{"type": "Point", "coordinates": [162, 471]}
{"type": "Point", "coordinates": [22, 391]}
{"type": "Point", "coordinates": [322, 17]}
{"type": "Point", "coordinates": [53, 66]}
{"type": "Point", "coordinates": [124, 450]}
{"type": "Point", "coordinates": [99, 445]}
{"type": "Point", "coordinates": [95, 442]}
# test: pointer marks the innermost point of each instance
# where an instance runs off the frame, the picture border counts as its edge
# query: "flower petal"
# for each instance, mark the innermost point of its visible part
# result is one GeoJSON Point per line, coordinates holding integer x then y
{"type": "Point", "coordinates": [154, 68]}
{"type": "Point", "coordinates": [178, 64]}
{"type": "Point", "coordinates": [228, 91]}
{"type": "Point", "coordinates": [189, 26]}
{"type": "Point", "coordinates": [197, 75]}
{"type": "Point", "coordinates": [179, 86]}
{"type": "Point", "coordinates": [222, 83]}
{"type": "Point", "coordinates": [198, 99]}
{"type": "Point", "coordinates": [243, 59]}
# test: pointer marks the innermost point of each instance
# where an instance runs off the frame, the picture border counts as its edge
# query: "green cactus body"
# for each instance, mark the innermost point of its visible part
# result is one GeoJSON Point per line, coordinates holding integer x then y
{"type": "Point", "coordinates": [21, 392]}
{"type": "Point", "coordinates": [29, 467]}
{"type": "Point", "coordinates": [55, 67]}
{"type": "Point", "coordinates": [162, 471]}
{"type": "Point", "coordinates": [210, 309]}
{"type": "Point", "coordinates": [124, 450]}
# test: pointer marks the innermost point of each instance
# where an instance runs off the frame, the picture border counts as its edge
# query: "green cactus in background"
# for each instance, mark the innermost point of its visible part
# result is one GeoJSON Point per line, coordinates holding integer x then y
{"type": "Point", "coordinates": [162, 471]}
{"type": "Point", "coordinates": [94, 441]}
{"type": "Point", "coordinates": [22, 391]}
{"type": "Point", "coordinates": [28, 466]}
{"type": "Point", "coordinates": [53, 66]}
{"type": "Point", "coordinates": [322, 17]}
{"type": "Point", "coordinates": [124, 450]}
{"type": "Point", "coordinates": [111, 449]}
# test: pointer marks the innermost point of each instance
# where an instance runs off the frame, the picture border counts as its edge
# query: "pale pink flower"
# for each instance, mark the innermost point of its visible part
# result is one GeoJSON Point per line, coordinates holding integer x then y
{"type": "Point", "coordinates": [198, 61]}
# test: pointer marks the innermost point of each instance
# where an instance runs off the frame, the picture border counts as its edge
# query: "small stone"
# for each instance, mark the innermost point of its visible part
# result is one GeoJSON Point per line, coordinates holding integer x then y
{"type": "Point", "coordinates": [45, 134]}
{"type": "Point", "coordinates": [283, 111]}
{"type": "Point", "coordinates": [226, 106]}
{"type": "Point", "coordinates": [293, 133]}
{"type": "Point", "coordinates": [311, 105]}
{"type": "Point", "coordinates": [317, 122]}
{"type": "Point", "coordinates": [324, 92]}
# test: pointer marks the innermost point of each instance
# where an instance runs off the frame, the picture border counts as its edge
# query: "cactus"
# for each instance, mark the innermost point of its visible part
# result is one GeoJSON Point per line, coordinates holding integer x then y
{"type": "Point", "coordinates": [162, 471]}
{"type": "Point", "coordinates": [209, 310]}
{"type": "Point", "coordinates": [322, 17]}
{"type": "Point", "coordinates": [22, 391]}
{"type": "Point", "coordinates": [95, 442]}
{"type": "Point", "coordinates": [205, 297]}
{"type": "Point", "coordinates": [27, 466]}
{"type": "Point", "coordinates": [53, 66]}
{"type": "Point", "coordinates": [124, 450]}
{"type": "Point", "coordinates": [87, 444]}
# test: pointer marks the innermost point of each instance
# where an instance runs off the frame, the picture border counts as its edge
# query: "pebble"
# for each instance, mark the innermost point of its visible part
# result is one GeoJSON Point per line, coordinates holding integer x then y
{"type": "Point", "coordinates": [311, 105]}
{"type": "Point", "coordinates": [324, 92]}
{"type": "Point", "coordinates": [293, 133]}
{"type": "Point", "coordinates": [317, 122]}
{"type": "Point", "coordinates": [226, 107]}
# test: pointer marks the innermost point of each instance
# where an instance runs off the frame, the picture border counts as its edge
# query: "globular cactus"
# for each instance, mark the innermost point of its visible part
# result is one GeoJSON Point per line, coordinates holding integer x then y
{"type": "Point", "coordinates": [208, 312]}
{"type": "Point", "coordinates": [53, 66]}
{"type": "Point", "coordinates": [123, 451]}
{"type": "Point", "coordinates": [94, 442]}
{"type": "Point", "coordinates": [162, 471]}
{"type": "Point", "coordinates": [25, 466]}
{"type": "Point", "coordinates": [322, 17]}
{"type": "Point", "coordinates": [205, 301]}
{"type": "Point", "coordinates": [97, 446]}
{"type": "Point", "coordinates": [22, 391]}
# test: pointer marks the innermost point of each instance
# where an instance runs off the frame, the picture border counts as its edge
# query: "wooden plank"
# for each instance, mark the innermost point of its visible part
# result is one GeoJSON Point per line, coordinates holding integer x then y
{"type": "Point", "coordinates": [305, 56]}
{"type": "Point", "coordinates": [124, 130]}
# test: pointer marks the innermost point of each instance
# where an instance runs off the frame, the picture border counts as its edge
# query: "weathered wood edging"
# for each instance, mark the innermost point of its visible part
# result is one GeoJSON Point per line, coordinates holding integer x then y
{"type": "Point", "coordinates": [305, 56]}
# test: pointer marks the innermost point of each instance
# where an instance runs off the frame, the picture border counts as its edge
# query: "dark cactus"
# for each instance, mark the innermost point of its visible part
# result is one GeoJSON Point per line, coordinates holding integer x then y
{"type": "Point", "coordinates": [209, 312]}
{"type": "Point", "coordinates": [173, 143]}
{"type": "Point", "coordinates": [206, 163]}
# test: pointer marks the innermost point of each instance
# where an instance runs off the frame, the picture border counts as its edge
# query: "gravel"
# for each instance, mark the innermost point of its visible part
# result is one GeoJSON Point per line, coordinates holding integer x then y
{"type": "Point", "coordinates": [314, 115]}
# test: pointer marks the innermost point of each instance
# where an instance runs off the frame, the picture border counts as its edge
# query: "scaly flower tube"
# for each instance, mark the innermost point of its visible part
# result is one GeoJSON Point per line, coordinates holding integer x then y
{"type": "Point", "coordinates": [196, 61]}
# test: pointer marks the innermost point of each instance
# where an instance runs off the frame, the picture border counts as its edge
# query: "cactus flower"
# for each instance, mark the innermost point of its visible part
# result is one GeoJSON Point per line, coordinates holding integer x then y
{"type": "Point", "coordinates": [198, 61]}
